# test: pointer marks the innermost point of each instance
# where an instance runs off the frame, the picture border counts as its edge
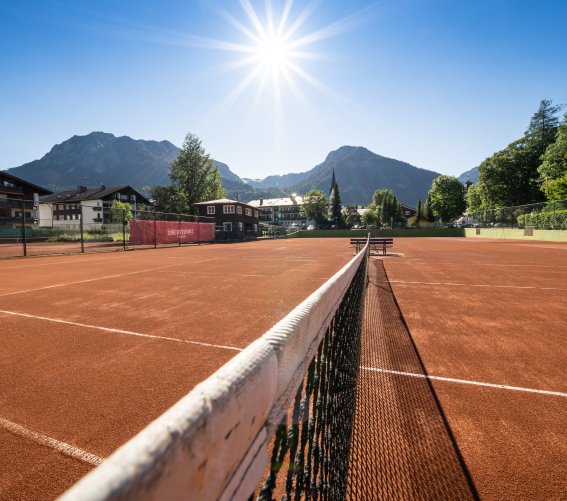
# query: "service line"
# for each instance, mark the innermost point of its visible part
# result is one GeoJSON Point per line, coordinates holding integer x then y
{"type": "Point", "coordinates": [465, 381]}
{"type": "Point", "coordinates": [120, 331]}
{"type": "Point", "coordinates": [456, 284]}
{"type": "Point", "coordinates": [63, 447]}
{"type": "Point", "coordinates": [106, 277]}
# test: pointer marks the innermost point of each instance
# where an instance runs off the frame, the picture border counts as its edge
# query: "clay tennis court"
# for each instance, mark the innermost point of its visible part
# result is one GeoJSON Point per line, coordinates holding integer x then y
{"type": "Point", "coordinates": [469, 400]}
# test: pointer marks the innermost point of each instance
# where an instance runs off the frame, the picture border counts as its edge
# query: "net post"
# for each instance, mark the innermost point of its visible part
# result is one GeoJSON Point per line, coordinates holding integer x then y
{"type": "Point", "coordinates": [23, 227]}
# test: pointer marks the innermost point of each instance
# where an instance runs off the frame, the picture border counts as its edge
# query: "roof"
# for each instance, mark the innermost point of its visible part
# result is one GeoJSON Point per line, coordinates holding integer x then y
{"type": "Point", "coordinates": [38, 189]}
{"type": "Point", "coordinates": [77, 195]}
{"type": "Point", "coordinates": [277, 202]}
{"type": "Point", "coordinates": [223, 201]}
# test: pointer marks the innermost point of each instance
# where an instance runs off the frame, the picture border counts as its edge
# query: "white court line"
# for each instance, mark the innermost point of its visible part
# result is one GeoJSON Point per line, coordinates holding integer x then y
{"type": "Point", "coordinates": [465, 381]}
{"type": "Point", "coordinates": [476, 285]}
{"type": "Point", "coordinates": [97, 278]}
{"type": "Point", "coordinates": [468, 264]}
{"type": "Point", "coordinates": [120, 331]}
{"type": "Point", "coordinates": [63, 447]}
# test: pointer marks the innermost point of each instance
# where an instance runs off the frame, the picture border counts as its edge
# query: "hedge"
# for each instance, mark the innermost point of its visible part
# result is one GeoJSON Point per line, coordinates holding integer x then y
{"type": "Point", "coordinates": [545, 220]}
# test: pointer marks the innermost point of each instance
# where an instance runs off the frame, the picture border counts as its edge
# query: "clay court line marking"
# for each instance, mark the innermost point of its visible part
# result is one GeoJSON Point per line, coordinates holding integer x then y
{"type": "Point", "coordinates": [465, 381]}
{"type": "Point", "coordinates": [476, 285]}
{"type": "Point", "coordinates": [63, 447]}
{"type": "Point", "coordinates": [120, 331]}
{"type": "Point", "coordinates": [98, 278]}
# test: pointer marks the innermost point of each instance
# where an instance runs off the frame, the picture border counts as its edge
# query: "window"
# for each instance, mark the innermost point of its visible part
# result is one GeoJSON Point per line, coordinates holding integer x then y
{"type": "Point", "coordinates": [228, 209]}
{"type": "Point", "coordinates": [210, 209]}
{"type": "Point", "coordinates": [248, 212]}
{"type": "Point", "coordinates": [240, 226]}
{"type": "Point", "coordinates": [227, 226]}
{"type": "Point", "coordinates": [238, 209]}
{"type": "Point", "coordinates": [255, 214]}
{"type": "Point", "coordinates": [255, 228]}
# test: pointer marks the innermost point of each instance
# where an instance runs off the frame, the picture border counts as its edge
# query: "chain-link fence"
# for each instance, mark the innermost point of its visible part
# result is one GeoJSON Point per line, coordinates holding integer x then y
{"type": "Point", "coordinates": [543, 216]}
{"type": "Point", "coordinates": [30, 228]}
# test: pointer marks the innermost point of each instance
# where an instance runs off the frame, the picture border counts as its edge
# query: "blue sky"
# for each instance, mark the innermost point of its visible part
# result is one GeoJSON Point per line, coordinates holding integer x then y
{"type": "Point", "coordinates": [441, 84]}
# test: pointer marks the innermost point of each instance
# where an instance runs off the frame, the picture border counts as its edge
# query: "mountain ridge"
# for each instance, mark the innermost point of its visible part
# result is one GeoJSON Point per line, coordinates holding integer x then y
{"type": "Point", "coordinates": [102, 158]}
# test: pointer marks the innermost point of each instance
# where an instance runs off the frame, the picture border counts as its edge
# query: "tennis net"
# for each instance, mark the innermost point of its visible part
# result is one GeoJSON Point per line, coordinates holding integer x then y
{"type": "Point", "coordinates": [275, 421]}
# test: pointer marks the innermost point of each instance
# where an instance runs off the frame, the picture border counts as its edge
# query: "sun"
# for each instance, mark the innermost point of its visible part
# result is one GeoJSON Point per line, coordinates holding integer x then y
{"type": "Point", "coordinates": [273, 53]}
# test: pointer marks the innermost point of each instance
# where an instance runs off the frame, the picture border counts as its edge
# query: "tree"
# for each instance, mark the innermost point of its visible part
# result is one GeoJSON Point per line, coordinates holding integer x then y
{"type": "Point", "coordinates": [543, 126]}
{"type": "Point", "coordinates": [554, 162]}
{"type": "Point", "coordinates": [510, 176]}
{"type": "Point", "coordinates": [194, 179]}
{"type": "Point", "coordinates": [315, 206]}
{"type": "Point", "coordinates": [419, 212]}
{"type": "Point", "coordinates": [556, 189]}
{"type": "Point", "coordinates": [336, 207]}
{"type": "Point", "coordinates": [447, 198]}
{"type": "Point", "coordinates": [121, 211]}
{"type": "Point", "coordinates": [473, 198]}
{"type": "Point", "coordinates": [427, 209]}
{"type": "Point", "coordinates": [370, 216]}
{"type": "Point", "coordinates": [350, 214]}
{"type": "Point", "coordinates": [386, 207]}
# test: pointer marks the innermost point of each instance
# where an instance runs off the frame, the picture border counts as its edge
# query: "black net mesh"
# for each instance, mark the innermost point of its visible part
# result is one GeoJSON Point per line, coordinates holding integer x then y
{"type": "Point", "coordinates": [310, 451]}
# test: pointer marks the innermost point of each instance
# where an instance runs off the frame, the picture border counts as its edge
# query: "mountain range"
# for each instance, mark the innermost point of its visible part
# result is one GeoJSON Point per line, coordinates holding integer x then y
{"type": "Point", "coordinates": [102, 158]}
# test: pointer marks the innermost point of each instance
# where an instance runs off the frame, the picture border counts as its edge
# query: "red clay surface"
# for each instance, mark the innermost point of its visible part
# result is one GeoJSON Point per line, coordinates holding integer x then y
{"type": "Point", "coordinates": [492, 312]}
{"type": "Point", "coordinates": [94, 347]}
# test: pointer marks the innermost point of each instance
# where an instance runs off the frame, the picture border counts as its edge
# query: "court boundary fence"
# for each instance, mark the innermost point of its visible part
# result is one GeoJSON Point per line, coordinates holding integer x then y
{"type": "Point", "coordinates": [192, 450]}
{"type": "Point", "coordinates": [25, 228]}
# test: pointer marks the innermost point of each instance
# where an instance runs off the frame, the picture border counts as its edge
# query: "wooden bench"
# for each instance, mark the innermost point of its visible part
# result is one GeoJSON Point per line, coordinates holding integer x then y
{"type": "Point", "coordinates": [376, 243]}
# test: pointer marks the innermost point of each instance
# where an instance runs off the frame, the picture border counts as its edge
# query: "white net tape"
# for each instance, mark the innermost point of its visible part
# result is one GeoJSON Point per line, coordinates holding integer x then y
{"type": "Point", "coordinates": [213, 443]}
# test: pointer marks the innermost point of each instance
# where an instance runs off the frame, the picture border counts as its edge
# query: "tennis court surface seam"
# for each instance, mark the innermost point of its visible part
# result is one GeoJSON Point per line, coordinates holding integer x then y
{"type": "Point", "coordinates": [121, 331]}
{"type": "Point", "coordinates": [58, 445]}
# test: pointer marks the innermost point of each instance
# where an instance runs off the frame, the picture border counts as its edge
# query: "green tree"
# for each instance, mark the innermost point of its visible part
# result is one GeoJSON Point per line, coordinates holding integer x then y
{"type": "Point", "coordinates": [556, 189]}
{"type": "Point", "coordinates": [390, 209]}
{"type": "Point", "coordinates": [193, 179]}
{"type": "Point", "coordinates": [473, 198]}
{"type": "Point", "coordinates": [350, 213]}
{"type": "Point", "coordinates": [419, 212]}
{"type": "Point", "coordinates": [447, 198]}
{"type": "Point", "coordinates": [121, 211]}
{"type": "Point", "coordinates": [315, 206]}
{"type": "Point", "coordinates": [336, 207]}
{"type": "Point", "coordinates": [370, 216]}
{"type": "Point", "coordinates": [428, 212]}
{"type": "Point", "coordinates": [554, 161]}
{"type": "Point", "coordinates": [510, 177]}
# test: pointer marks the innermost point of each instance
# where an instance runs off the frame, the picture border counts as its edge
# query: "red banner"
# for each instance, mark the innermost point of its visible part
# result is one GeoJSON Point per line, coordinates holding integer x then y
{"type": "Point", "coordinates": [169, 232]}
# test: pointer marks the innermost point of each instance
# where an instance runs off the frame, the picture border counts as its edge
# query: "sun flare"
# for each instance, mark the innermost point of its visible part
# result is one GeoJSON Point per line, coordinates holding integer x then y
{"type": "Point", "coordinates": [273, 52]}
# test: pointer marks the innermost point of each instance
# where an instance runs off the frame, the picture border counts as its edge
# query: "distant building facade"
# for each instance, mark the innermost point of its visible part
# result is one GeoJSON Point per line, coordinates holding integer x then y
{"type": "Point", "coordinates": [281, 211]}
{"type": "Point", "coordinates": [17, 195]}
{"type": "Point", "coordinates": [234, 220]}
{"type": "Point", "coordinates": [91, 205]}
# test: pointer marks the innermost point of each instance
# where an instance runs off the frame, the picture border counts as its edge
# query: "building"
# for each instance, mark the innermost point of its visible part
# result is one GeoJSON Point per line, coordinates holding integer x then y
{"type": "Point", "coordinates": [16, 195]}
{"type": "Point", "coordinates": [234, 220]}
{"type": "Point", "coordinates": [281, 211]}
{"type": "Point", "coordinates": [91, 205]}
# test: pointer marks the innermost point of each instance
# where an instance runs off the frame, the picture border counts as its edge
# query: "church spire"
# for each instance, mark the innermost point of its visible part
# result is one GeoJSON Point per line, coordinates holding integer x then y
{"type": "Point", "coordinates": [333, 182]}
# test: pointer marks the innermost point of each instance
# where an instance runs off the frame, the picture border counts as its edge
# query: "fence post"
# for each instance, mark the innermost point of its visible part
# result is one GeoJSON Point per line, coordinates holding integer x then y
{"type": "Point", "coordinates": [124, 229]}
{"type": "Point", "coordinates": [23, 227]}
{"type": "Point", "coordinates": [179, 230]}
{"type": "Point", "coordinates": [81, 219]}
{"type": "Point", "coordinates": [155, 230]}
